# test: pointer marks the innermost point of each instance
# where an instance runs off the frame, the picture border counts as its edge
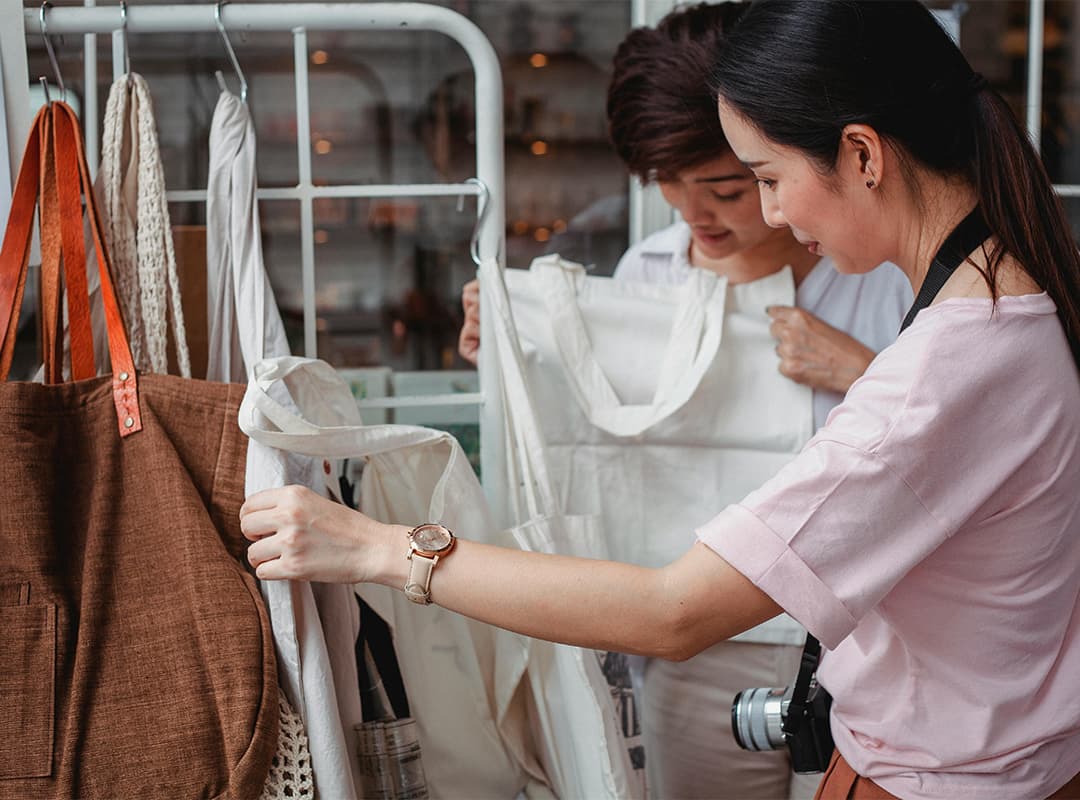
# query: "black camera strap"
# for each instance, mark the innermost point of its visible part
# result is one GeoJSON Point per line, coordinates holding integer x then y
{"type": "Point", "coordinates": [965, 237]}
{"type": "Point", "coordinates": [811, 654]}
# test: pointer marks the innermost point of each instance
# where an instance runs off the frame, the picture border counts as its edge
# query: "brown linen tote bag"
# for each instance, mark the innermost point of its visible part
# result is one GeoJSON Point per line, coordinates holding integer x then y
{"type": "Point", "coordinates": [136, 658]}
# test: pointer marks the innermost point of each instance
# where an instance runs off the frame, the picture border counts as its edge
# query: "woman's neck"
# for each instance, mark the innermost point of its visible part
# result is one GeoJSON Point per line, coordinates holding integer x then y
{"type": "Point", "coordinates": [924, 226]}
{"type": "Point", "coordinates": [759, 261]}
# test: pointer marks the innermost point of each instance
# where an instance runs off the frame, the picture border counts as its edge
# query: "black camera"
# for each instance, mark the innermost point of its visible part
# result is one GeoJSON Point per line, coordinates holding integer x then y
{"type": "Point", "coordinates": [768, 719]}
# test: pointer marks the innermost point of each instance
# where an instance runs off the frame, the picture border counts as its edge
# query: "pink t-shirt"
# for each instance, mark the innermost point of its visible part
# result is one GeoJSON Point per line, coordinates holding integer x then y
{"type": "Point", "coordinates": [929, 536]}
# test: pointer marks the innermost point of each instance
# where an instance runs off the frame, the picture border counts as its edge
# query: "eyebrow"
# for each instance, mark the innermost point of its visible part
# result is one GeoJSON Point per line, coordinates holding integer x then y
{"type": "Point", "coordinates": [753, 164]}
{"type": "Point", "coordinates": [721, 178]}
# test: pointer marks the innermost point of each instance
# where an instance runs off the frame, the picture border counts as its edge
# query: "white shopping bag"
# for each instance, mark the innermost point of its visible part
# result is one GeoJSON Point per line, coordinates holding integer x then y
{"type": "Point", "coordinates": [656, 374]}
{"type": "Point", "coordinates": [461, 676]}
{"type": "Point", "coordinates": [659, 405]}
{"type": "Point", "coordinates": [315, 625]}
{"type": "Point", "coordinates": [583, 751]}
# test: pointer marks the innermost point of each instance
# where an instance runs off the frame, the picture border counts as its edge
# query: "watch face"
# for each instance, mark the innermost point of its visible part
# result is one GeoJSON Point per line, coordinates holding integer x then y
{"type": "Point", "coordinates": [431, 538]}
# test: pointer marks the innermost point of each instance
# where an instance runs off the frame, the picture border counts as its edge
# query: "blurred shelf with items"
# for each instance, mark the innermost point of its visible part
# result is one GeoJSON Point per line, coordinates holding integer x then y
{"type": "Point", "coordinates": [398, 108]}
{"type": "Point", "coordinates": [995, 35]}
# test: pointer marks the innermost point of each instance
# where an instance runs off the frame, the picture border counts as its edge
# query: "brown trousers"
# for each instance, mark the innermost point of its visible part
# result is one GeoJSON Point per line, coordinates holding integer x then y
{"type": "Point", "coordinates": [841, 782]}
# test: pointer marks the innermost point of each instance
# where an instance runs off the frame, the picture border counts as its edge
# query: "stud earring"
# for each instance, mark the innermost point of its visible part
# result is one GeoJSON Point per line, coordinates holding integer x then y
{"type": "Point", "coordinates": [870, 184]}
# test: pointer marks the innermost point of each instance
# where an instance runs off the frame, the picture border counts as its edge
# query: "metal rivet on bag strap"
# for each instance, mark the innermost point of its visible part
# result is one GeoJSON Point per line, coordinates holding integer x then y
{"type": "Point", "coordinates": [123, 376]}
{"type": "Point", "coordinates": [129, 422]}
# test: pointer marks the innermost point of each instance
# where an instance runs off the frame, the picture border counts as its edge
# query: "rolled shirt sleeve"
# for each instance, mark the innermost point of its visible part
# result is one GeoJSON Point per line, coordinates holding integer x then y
{"type": "Point", "coordinates": [828, 537]}
{"type": "Point", "coordinates": [839, 526]}
{"type": "Point", "coordinates": [913, 454]}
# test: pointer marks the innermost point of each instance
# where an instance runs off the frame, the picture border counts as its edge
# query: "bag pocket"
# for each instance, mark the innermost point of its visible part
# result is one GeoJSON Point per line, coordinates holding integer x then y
{"type": "Point", "coordinates": [27, 693]}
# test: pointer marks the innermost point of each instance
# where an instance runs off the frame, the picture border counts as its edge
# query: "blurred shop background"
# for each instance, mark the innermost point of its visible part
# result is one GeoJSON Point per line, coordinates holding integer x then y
{"type": "Point", "coordinates": [398, 108]}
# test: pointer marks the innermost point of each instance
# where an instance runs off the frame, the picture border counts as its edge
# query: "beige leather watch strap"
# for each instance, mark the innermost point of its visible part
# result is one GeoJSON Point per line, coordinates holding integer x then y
{"type": "Point", "coordinates": [418, 586]}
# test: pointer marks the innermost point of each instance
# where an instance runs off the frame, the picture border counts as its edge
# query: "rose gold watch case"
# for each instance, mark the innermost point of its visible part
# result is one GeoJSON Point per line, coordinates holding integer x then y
{"type": "Point", "coordinates": [442, 530]}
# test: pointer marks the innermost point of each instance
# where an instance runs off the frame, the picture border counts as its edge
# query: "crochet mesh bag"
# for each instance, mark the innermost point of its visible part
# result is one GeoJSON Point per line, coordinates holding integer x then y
{"type": "Point", "coordinates": [290, 771]}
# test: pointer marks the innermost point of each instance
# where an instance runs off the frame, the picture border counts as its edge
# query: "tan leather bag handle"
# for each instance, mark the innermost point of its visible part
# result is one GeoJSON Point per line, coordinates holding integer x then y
{"type": "Point", "coordinates": [54, 176]}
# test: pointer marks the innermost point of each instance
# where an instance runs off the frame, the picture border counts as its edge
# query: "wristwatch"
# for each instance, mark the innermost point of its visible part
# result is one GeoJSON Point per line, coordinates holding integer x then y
{"type": "Point", "coordinates": [427, 544]}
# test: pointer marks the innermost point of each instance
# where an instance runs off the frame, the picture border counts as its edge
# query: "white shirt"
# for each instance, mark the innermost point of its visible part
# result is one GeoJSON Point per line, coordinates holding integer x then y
{"type": "Point", "coordinates": [867, 307]}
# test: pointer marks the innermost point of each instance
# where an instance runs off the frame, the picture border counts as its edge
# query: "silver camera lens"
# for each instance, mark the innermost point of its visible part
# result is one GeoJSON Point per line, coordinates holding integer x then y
{"type": "Point", "coordinates": [757, 718]}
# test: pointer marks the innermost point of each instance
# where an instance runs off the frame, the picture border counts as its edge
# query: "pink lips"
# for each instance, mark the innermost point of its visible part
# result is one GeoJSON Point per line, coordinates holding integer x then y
{"type": "Point", "coordinates": [711, 238]}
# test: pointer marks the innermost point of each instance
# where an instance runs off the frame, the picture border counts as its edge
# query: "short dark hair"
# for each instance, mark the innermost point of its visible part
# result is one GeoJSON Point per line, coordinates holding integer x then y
{"type": "Point", "coordinates": [661, 111]}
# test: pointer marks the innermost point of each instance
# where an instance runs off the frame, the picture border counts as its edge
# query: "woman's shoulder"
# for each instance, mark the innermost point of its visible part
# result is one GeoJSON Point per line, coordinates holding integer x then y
{"type": "Point", "coordinates": [958, 336]}
{"type": "Point", "coordinates": [965, 357]}
{"type": "Point", "coordinates": [1011, 280]}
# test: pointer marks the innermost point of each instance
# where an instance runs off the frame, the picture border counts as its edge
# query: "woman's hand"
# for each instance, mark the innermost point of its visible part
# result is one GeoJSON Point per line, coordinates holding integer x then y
{"type": "Point", "coordinates": [300, 535]}
{"type": "Point", "coordinates": [814, 353]}
{"type": "Point", "coordinates": [469, 338]}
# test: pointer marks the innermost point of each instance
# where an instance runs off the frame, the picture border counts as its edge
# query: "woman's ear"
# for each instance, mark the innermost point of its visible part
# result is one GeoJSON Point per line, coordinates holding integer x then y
{"type": "Point", "coordinates": [862, 155]}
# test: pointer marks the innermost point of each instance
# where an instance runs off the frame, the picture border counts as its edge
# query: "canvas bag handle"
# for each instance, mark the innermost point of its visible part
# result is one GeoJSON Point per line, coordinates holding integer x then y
{"type": "Point", "coordinates": [327, 423]}
{"type": "Point", "coordinates": [526, 461]}
{"type": "Point", "coordinates": [695, 337]}
{"type": "Point", "coordinates": [54, 169]}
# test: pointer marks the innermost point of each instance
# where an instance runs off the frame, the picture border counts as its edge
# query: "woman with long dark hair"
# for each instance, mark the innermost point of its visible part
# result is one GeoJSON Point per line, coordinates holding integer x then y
{"type": "Point", "coordinates": [663, 124]}
{"type": "Point", "coordinates": [929, 535]}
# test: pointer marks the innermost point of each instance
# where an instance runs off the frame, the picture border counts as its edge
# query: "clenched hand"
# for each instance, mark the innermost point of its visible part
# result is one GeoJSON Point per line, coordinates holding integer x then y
{"type": "Point", "coordinates": [814, 353]}
{"type": "Point", "coordinates": [469, 338]}
{"type": "Point", "coordinates": [300, 535]}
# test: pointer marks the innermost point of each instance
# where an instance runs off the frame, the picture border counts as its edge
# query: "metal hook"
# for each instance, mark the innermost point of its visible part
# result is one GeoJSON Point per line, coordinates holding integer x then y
{"type": "Point", "coordinates": [127, 48]}
{"type": "Point", "coordinates": [481, 214]}
{"type": "Point", "coordinates": [230, 51]}
{"type": "Point", "coordinates": [52, 55]}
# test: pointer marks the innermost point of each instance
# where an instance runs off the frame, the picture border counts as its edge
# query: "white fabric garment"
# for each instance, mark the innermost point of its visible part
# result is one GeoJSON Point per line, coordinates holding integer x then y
{"type": "Point", "coordinates": [582, 748]}
{"type": "Point", "coordinates": [658, 404]}
{"type": "Point", "coordinates": [315, 626]}
{"type": "Point", "coordinates": [135, 220]}
{"type": "Point", "coordinates": [868, 307]}
{"type": "Point", "coordinates": [238, 292]}
{"type": "Point", "coordinates": [461, 676]}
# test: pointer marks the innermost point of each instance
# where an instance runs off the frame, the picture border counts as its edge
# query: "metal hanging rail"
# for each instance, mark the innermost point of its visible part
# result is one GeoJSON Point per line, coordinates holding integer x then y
{"type": "Point", "coordinates": [299, 18]}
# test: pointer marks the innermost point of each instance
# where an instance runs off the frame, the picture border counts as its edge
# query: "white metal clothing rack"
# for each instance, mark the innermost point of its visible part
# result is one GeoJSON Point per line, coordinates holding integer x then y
{"type": "Point", "coordinates": [299, 18]}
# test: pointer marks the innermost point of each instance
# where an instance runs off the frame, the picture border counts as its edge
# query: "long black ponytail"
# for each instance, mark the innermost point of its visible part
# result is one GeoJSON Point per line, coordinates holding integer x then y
{"type": "Point", "coordinates": [802, 70]}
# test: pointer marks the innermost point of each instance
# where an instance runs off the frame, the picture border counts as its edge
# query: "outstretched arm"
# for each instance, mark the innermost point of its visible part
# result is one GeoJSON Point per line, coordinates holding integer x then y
{"type": "Point", "coordinates": [673, 612]}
